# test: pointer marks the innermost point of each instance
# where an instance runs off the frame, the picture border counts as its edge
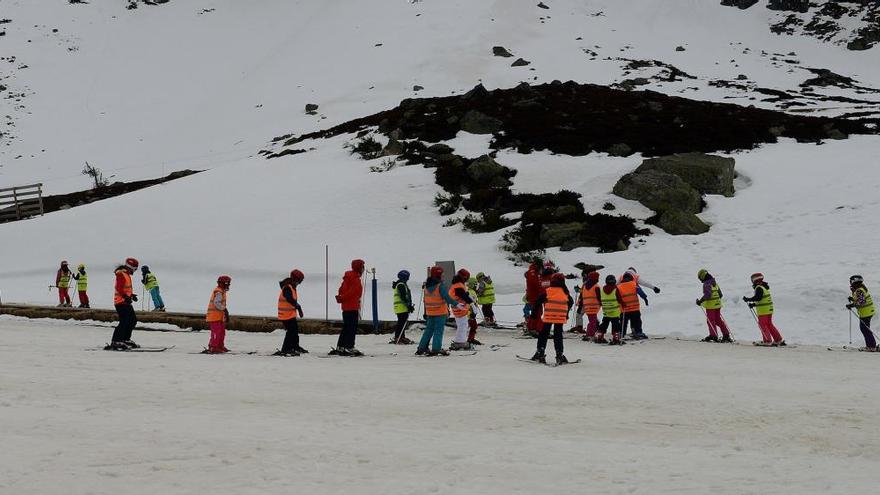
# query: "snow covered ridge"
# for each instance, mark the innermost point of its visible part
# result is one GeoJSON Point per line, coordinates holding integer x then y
{"type": "Point", "coordinates": [571, 119]}
{"type": "Point", "coordinates": [855, 23]}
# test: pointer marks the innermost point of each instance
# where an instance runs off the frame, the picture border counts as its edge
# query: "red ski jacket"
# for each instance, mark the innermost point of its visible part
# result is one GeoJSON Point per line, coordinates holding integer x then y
{"type": "Point", "coordinates": [349, 295]}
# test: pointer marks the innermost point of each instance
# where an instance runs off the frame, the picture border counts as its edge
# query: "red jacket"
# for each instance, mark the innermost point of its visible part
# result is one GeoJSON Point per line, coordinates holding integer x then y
{"type": "Point", "coordinates": [349, 295]}
{"type": "Point", "coordinates": [533, 286]}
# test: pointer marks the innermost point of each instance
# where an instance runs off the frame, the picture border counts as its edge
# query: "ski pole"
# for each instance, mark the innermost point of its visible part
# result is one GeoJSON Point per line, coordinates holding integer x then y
{"type": "Point", "coordinates": [850, 325]}
{"type": "Point", "coordinates": [728, 327]}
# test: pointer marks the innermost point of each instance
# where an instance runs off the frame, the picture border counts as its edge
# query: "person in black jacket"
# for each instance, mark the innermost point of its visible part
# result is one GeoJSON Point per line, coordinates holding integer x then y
{"type": "Point", "coordinates": [288, 309]}
{"type": "Point", "coordinates": [403, 306]}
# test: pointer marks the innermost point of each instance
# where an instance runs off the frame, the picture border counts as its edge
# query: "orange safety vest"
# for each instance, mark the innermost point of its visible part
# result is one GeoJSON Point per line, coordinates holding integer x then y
{"type": "Point", "coordinates": [286, 311]}
{"type": "Point", "coordinates": [213, 313]}
{"type": "Point", "coordinates": [458, 313]}
{"type": "Point", "coordinates": [119, 297]}
{"type": "Point", "coordinates": [434, 303]}
{"type": "Point", "coordinates": [556, 306]}
{"type": "Point", "coordinates": [590, 301]}
{"type": "Point", "coordinates": [629, 295]}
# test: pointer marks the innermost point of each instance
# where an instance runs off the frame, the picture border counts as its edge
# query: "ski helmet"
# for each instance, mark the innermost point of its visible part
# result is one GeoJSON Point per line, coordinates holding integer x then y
{"type": "Point", "coordinates": [297, 276]}
{"type": "Point", "coordinates": [702, 274]}
{"type": "Point", "coordinates": [757, 277]}
{"type": "Point", "coordinates": [856, 279]}
{"type": "Point", "coordinates": [436, 271]}
{"type": "Point", "coordinates": [145, 269]}
{"type": "Point", "coordinates": [81, 267]}
{"type": "Point", "coordinates": [403, 275]}
{"type": "Point", "coordinates": [358, 265]}
{"type": "Point", "coordinates": [558, 277]}
{"type": "Point", "coordinates": [224, 280]}
{"type": "Point", "coordinates": [594, 276]}
{"type": "Point", "coordinates": [610, 280]}
{"type": "Point", "coordinates": [464, 274]}
{"type": "Point", "coordinates": [131, 263]}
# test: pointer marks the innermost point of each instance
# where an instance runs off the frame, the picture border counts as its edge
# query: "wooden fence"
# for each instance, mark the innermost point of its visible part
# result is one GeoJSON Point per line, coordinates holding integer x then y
{"type": "Point", "coordinates": [17, 203]}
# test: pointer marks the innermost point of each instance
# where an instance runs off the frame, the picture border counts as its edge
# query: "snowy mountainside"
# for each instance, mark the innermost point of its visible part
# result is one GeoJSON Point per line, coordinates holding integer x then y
{"type": "Point", "coordinates": [146, 91]}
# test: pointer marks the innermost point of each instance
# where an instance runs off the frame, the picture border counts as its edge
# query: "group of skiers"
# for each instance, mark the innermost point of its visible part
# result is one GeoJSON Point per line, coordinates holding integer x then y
{"type": "Point", "coordinates": [548, 304]}
{"type": "Point", "coordinates": [64, 276]}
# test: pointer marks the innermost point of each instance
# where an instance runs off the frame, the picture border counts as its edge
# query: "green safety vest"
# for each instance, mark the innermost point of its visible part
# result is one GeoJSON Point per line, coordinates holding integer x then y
{"type": "Point", "coordinates": [151, 281]}
{"type": "Point", "coordinates": [400, 305]}
{"type": "Point", "coordinates": [868, 308]}
{"type": "Point", "coordinates": [765, 305]}
{"type": "Point", "coordinates": [82, 282]}
{"type": "Point", "coordinates": [610, 304]}
{"type": "Point", "coordinates": [488, 295]}
{"type": "Point", "coordinates": [713, 302]}
{"type": "Point", "coordinates": [64, 281]}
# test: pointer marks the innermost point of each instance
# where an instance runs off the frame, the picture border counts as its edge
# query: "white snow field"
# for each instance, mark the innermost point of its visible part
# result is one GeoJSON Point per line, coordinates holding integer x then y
{"type": "Point", "coordinates": [663, 416]}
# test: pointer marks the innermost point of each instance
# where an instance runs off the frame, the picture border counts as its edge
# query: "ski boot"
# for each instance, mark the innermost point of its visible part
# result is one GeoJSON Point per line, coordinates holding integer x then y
{"type": "Point", "coordinates": [353, 352]}
{"type": "Point", "coordinates": [615, 340]}
{"type": "Point", "coordinates": [300, 350]}
{"type": "Point", "coordinates": [116, 346]}
{"type": "Point", "coordinates": [781, 343]}
{"type": "Point", "coordinates": [638, 336]}
{"type": "Point", "coordinates": [539, 357]}
{"type": "Point", "coordinates": [870, 349]}
{"type": "Point", "coordinates": [441, 352]}
{"type": "Point", "coordinates": [726, 339]}
{"type": "Point", "coordinates": [86, 306]}
{"type": "Point", "coordinates": [710, 338]}
{"type": "Point", "coordinates": [600, 339]}
{"type": "Point", "coordinates": [560, 359]}
{"type": "Point", "coordinates": [577, 329]}
{"type": "Point", "coordinates": [461, 346]}
{"type": "Point", "coordinates": [130, 344]}
{"type": "Point", "coordinates": [337, 351]}
{"type": "Point", "coordinates": [285, 353]}
{"type": "Point", "coordinates": [421, 352]}
{"type": "Point", "coordinates": [475, 342]}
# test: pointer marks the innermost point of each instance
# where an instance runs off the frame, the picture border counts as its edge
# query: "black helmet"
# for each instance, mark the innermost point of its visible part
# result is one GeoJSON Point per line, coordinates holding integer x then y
{"type": "Point", "coordinates": [610, 279]}
{"type": "Point", "coordinates": [856, 279]}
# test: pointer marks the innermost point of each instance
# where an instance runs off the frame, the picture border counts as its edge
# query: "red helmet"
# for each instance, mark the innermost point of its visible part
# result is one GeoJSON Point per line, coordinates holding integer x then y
{"type": "Point", "coordinates": [297, 275]}
{"type": "Point", "coordinates": [131, 263]}
{"type": "Point", "coordinates": [757, 277]}
{"type": "Point", "coordinates": [558, 277]}
{"type": "Point", "coordinates": [436, 271]}
{"type": "Point", "coordinates": [224, 280]}
{"type": "Point", "coordinates": [464, 274]}
{"type": "Point", "coordinates": [594, 276]}
{"type": "Point", "coordinates": [358, 265]}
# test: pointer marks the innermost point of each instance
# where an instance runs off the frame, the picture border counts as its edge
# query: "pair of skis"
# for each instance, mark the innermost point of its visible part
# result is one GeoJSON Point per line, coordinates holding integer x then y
{"type": "Point", "coordinates": [552, 365]}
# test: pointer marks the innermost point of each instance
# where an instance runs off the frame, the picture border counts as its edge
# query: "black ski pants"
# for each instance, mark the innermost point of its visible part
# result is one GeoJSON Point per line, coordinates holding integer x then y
{"type": "Point", "coordinates": [634, 318]}
{"type": "Point", "coordinates": [349, 329]}
{"type": "Point", "coordinates": [291, 336]}
{"type": "Point", "coordinates": [127, 322]}
{"type": "Point", "coordinates": [402, 318]}
{"type": "Point", "coordinates": [614, 322]}
{"type": "Point", "coordinates": [544, 334]}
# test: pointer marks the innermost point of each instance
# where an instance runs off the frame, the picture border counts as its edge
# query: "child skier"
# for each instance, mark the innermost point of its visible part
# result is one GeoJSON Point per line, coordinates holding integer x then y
{"type": "Point", "coordinates": [437, 301]}
{"type": "Point", "coordinates": [711, 303]}
{"type": "Point", "coordinates": [217, 316]}
{"type": "Point", "coordinates": [762, 302]}
{"type": "Point", "coordinates": [461, 309]}
{"type": "Point", "coordinates": [349, 297]}
{"type": "Point", "coordinates": [630, 292]}
{"type": "Point", "coordinates": [486, 298]}
{"type": "Point", "coordinates": [62, 282]}
{"type": "Point", "coordinates": [403, 306]}
{"type": "Point", "coordinates": [288, 308]}
{"type": "Point", "coordinates": [122, 299]}
{"type": "Point", "coordinates": [864, 306]}
{"type": "Point", "coordinates": [556, 303]}
{"type": "Point", "coordinates": [590, 304]}
{"type": "Point", "coordinates": [82, 285]}
{"type": "Point", "coordinates": [472, 314]}
{"type": "Point", "coordinates": [609, 298]}
{"type": "Point", "coordinates": [152, 285]}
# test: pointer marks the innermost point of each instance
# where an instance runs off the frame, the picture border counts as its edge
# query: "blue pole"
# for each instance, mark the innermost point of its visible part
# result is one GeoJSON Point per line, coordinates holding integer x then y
{"type": "Point", "coordinates": [375, 287]}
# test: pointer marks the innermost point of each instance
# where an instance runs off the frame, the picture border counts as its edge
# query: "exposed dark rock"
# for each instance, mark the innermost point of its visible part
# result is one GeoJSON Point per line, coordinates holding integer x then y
{"type": "Point", "coordinates": [543, 6]}
{"type": "Point", "coordinates": [620, 149]}
{"type": "Point", "coordinates": [679, 48]}
{"type": "Point", "coordinates": [609, 207]}
{"type": "Point", "coordinates": [708, 174]}
{"type": "Point", "coordinates": [418, 88]}
{"type": "Point", "coordinates": [631, 84]}
{"type": "Point", "coordinates": [801, 6]}
{"type": "Point", "coordinates": [659, 191]}
{"type": "Point", "coordinates": [393, 148]}
{"type": "Point", "coordinates": [500, 51]}
{"type": "Point", "coordinates": [520, 62]}
{"type": "Point", "coordinates": [555, 234]}
{"type": "Point", "coordinates": [681, 223]}
{"type": "Point", "coordinates": [742, 4]}
{"type": "Point", "coordinates": [484, 169]}
{"type": "Point", "coordinates": [825, 77]}
{"type": "Point", "coordinates": [477, 122]}
{"type": "Point", "coordinates": [311, 108]}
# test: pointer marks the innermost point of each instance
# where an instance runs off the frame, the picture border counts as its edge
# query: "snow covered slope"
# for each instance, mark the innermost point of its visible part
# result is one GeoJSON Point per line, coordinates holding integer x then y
{"type": "Point", "coordinates": [140, 93]}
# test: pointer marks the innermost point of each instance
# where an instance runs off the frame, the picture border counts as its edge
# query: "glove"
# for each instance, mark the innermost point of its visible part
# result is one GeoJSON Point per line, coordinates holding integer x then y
{"type": "Point", "coordinates": [751, 305]}
{"type": "Point", "coordinates": [850, 306]}
{"type": "Point", "coordinates": [745, 299]}
{"type": "Point", "coordinates": [699, 302]}
{"type": "Point", "coordinates": [850, 299]}
{"type": "Point", "coordinates": [646, 301]}
{"type": "Point", "coordinates": [656, 290]}
{"type": "Point", "coordinates": [299, 310]}
{"type": "Point", "coordinates": [226, 315]}
{"type": "Point", "coordinates": [339, 299]}
{"type": "Point", "coordinates": [126, 299]}
{"type": "Point", "coordinates": [411, 308]}
{"type": "Point", "coordinates": [134, 297]}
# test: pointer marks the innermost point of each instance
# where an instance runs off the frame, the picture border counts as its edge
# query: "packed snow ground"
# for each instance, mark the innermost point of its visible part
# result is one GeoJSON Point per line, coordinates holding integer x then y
{"type": "Point", "coordinates": [656, 417]}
